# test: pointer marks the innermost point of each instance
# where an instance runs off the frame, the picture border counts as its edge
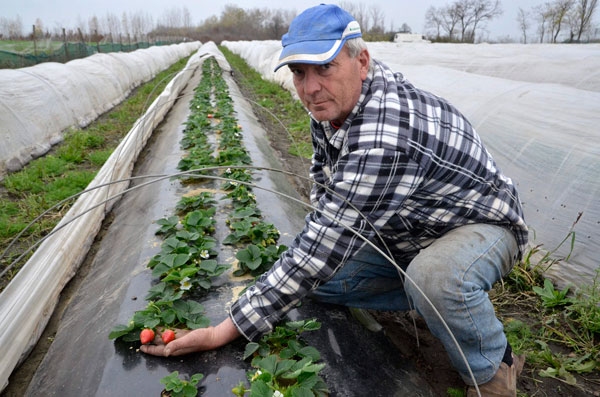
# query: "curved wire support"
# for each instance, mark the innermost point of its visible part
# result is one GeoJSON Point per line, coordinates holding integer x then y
{"type": "Point", "coordinates": [193, 173]}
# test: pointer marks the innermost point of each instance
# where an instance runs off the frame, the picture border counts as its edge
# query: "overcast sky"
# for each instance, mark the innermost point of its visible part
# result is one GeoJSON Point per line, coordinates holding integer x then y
{"type": "Point", "coordinates": [66, 13]}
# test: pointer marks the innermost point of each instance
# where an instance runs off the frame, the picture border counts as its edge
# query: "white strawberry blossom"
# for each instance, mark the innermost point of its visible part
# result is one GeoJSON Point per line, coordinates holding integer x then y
{"type": "Point", "coordinates": [185, 284]}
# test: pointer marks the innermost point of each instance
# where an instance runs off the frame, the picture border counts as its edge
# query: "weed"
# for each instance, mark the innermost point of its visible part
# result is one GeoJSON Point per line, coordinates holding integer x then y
{"type": "Point", "coordinates": [550, 296]}
{"type": "Point", "coordinates": [562, 337]}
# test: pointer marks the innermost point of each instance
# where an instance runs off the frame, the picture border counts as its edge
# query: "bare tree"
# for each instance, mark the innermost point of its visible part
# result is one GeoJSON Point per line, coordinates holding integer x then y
{"type": "Point", "coordinates": [462, 9]}
{"type": "Point", "coordinates": [472, 13]}
{"type": "Point", "coordinates": [141, 25]}
{"type": "Point", "coordinates": [94, 26]}
{"type": "Point", "coordinates": [450, 19]}
{"type": "Point", "coordinates": [125, 25]}
{"type": "Point", "coordinates": [544, 14]}
{"type": "Point", "coordinates": [377, 19]}
{"type": "Point", "coordinates": [462, 19]}
{"type": "Point", "coordinates": [484, 11]}
{"type": "Point", "coordinates": [233, 20]}
{"type": "Point", "coordinates": [434, 21]}
{"type": "Point", "coordinates": [523, 21]}
{"type": "Point", "coordinates": [359, 12]}
{"type": "Point", "coordinates": [111, 25]}
{"type": "Point", "coordinates": [81, 25]}
{"type": "Point", "coordinates": [560, 9]}
{"type": "Point", "coordinates": [11, 28]}
{"type": "Point", "coordinates": [38, 28]}
{"type": "Point", "coordinates": [583, 15]}
{"type": "Point", "coordinates": [171, 18]}
{"type": "Point", "coordinates": [278, 24]}
{"type": "Point", "coordinates": [186, 18]}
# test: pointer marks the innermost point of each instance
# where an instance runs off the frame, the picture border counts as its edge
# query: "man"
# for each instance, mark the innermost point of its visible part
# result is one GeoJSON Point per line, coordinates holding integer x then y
{"type": "Point", "coordinates": [403, 169]}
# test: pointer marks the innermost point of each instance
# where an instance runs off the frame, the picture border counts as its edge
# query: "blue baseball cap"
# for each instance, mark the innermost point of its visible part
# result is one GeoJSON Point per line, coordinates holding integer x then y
{"type": "Point", "coordinates": [317, 35]}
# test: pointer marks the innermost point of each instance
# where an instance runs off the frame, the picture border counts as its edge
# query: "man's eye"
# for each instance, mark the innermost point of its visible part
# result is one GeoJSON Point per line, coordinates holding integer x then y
{"type": "Point", "coordinates": [326, 66]}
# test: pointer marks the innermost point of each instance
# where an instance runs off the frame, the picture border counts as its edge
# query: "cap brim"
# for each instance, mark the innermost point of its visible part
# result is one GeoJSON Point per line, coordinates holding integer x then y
{"type": "Point", "coordinates": [312, 52]}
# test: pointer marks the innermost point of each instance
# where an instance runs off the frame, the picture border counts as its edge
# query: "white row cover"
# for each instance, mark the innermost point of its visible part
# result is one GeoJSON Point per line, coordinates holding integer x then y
{"type": "Point", "coordinates": [39, 103]}
{"type": "Point", "coordinates": [28, 302]}
{"type": "Point", "coordinates": [537, 108]}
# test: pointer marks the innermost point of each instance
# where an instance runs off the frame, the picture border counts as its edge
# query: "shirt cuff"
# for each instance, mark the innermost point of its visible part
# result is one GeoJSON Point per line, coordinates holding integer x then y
{"type": "Point", "coordinates": [247, 320]}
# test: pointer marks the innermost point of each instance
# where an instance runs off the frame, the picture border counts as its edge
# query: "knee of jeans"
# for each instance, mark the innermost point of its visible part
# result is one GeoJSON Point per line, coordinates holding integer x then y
{"type": "Point", "coordinates": [434, 285]}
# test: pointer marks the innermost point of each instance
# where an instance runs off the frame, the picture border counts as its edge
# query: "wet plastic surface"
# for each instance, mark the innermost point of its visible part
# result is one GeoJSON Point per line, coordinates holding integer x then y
{"type": "Point", "coordinates": [82, 361]}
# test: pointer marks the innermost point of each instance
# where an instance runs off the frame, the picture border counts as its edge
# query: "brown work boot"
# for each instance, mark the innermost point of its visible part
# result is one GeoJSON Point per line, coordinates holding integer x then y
{"type": "Point", "coordinates": [504, 383]}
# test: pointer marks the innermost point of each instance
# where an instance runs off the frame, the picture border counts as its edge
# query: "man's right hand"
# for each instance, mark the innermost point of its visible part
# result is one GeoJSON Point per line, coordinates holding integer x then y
{"type": "Point", "coordinates": [197, 340]}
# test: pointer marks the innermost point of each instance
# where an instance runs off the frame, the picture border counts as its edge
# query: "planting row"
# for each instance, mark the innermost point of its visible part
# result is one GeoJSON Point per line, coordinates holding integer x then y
{"type": "Point", "coordinates": [184, 269]}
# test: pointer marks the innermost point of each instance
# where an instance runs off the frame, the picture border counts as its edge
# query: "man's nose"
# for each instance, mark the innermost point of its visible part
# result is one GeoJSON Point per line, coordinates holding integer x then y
{"type": "Point", "coordinates": [312, 82]}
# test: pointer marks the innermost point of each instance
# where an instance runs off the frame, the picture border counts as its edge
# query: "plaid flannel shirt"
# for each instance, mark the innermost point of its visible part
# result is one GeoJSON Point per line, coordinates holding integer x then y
{"type": "Point", "coordinates": [412, 167]}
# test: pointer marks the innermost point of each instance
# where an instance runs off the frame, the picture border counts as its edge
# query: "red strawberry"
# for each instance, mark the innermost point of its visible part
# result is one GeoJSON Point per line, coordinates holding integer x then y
{"type": "Point", "coordinates": [146, 336]}
{"type": "Point", "coordinates": [168, 336]}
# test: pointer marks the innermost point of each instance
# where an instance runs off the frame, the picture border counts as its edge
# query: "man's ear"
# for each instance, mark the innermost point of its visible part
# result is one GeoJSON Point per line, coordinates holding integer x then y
{"type": "Point", "coordinates": [364, 58]}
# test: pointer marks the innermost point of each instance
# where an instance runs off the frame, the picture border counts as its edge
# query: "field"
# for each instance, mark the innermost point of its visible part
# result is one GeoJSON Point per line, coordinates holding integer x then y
{"type": "Point", "coordinates": [516, 300]}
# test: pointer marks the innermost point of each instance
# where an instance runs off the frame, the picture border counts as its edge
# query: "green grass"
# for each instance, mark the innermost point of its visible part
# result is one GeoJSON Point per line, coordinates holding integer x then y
{"type": "Point", "coordinates": [275, 104]}
{"type": "Point", "coordinates": [67, 170]}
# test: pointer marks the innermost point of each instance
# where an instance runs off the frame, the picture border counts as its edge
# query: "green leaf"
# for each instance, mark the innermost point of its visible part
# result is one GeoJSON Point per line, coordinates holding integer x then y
{"type": "Point", "coordinates": [268, 363]}
{"type": "Point", "coordinates": [302, 392]}
{"type": "Point", "coordinates": [167, 225]}
{"type": "Point", "coordinates": [283, 366]}
{"type": "Point", "coordinates": [209, 265]}
{"type": "Point", "coordinates": [120, 330]}
{"type": "Point", "coordinates": [251, 348]}
{"type": "Point", "coordinates": [180, 260]}
{"type": "Point", "coordinates": [260, 389]}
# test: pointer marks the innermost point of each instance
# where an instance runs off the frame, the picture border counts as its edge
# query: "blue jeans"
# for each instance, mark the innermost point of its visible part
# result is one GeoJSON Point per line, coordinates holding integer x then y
{"type": "Point", "coordinates": [455, 273]}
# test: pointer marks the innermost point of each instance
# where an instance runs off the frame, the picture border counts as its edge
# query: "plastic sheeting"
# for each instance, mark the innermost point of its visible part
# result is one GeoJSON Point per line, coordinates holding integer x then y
{"type": "Point", "coordinates": [28, 301]}
{"type": "Point", "coordinates": [38, 103]}
{"type": "Point", "coordinates": [537, 108]}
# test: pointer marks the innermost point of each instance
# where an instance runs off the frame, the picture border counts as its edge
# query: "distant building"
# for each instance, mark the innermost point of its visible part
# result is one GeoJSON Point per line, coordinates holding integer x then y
{"type": "Point", "coordinates": [410, 38]}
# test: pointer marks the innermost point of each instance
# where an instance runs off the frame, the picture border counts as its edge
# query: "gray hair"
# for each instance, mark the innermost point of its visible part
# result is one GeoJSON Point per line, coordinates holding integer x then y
{"type": "Point", "coordinates": [355, 46]}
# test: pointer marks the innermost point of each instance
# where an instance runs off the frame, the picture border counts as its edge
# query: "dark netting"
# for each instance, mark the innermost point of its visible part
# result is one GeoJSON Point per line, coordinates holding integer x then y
{"type": "Point", "coordinates": [69, 51]}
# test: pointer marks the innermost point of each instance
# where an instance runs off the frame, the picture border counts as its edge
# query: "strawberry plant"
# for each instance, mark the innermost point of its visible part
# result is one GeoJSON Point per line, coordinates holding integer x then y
{"type": "Point", "coordinates": [236, 174]}
{"type": "Point", "coordinates": [176, 387]}
{"type": "Point", "coordinates": [176, 313]}
{"type": "Point", "coordinates": [257, 259]}
{"type": "Point", "coordinates": [202, 201]}
{"type": "Point", "coordinates": [284, 364]}
{"type": "Point", "coordinates": [167, 225]}
{"type": "Point", "coordinates": [241, 195]}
